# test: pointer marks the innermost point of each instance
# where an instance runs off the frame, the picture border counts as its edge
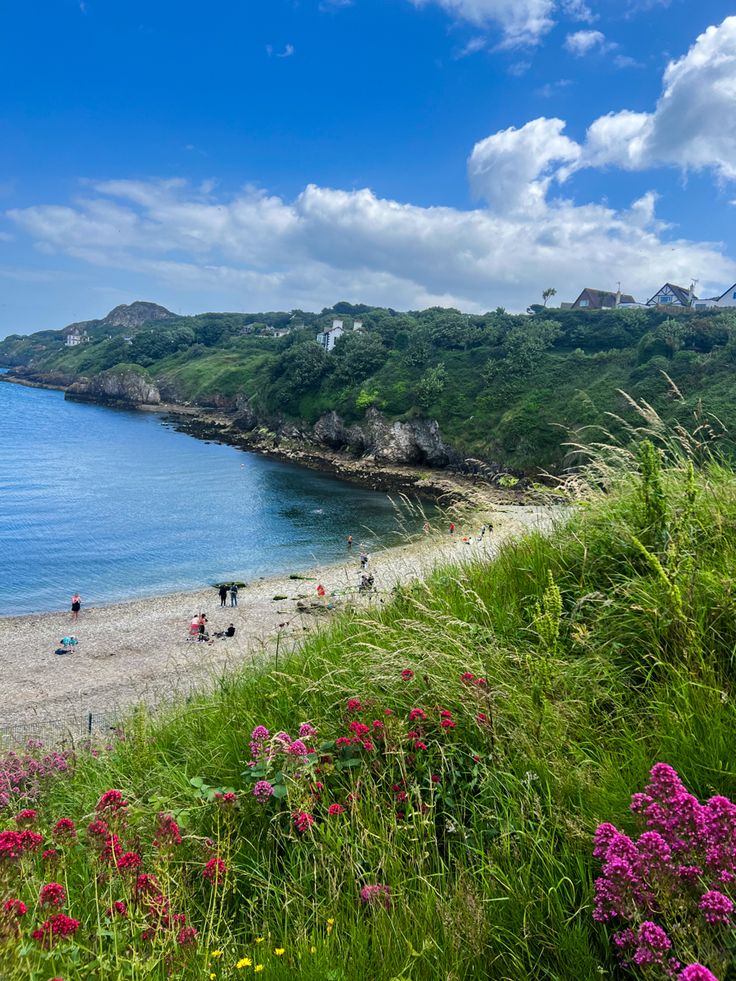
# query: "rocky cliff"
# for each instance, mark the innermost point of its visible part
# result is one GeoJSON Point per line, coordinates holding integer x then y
{"type": "Point", "coordinates": [136, 314]}
{"type": "Point", "coordinates": [116, 388]}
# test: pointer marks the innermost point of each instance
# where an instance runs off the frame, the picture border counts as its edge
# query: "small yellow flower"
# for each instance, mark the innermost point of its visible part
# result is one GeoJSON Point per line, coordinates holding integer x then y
{"type": "Point", "coordinates": [213, 977]}
{"type": "Point", "coordinates": [279, 951]}
{"type": "Point", "coordinates": [258, 968]}
{"type": "Point", "coordinates": [244, 962]}
{"type": "Point", "coordinates": [312, 950]}
{"type": "Point", "coordinates": [259, 940]}
{"type": "Point", "coordinates": [215, 953]}
{"type": "Point", "coordinates": [330, 922]}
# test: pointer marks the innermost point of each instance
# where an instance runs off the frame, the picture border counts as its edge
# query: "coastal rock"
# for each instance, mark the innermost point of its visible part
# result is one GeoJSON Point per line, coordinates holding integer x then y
{"type": "Point", "coordinates": [415, 441]}
{"type": "Point", "coordinates": [126, 387]}
{"type": "Point", "coordinates": [136, 314]}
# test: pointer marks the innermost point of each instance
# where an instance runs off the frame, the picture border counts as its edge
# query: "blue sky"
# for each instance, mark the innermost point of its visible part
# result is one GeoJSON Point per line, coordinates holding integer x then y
{"type": "Point", "coordinates": [248, 155]}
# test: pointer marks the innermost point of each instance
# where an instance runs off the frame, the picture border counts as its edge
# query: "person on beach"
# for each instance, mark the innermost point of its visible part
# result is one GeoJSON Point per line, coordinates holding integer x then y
{"type": "Point", "coordinates": [452, 527]}
{"type": "Point", "coordinates": [202, 622]}
{"type": "Point", "coordinates": [321, 592]}
{"type": "Point", "coordinates": [223, 594]}
{"type": "Point", "coordinates": [363, 560]}
{"type": "Point", "coordinates": [350, 541]}
{"type": "Point", "coordinates": [224, 634]}
{"type": "Point", "coordinates": [425, 527]}
{"type": "Point", "coordinates": [194, 628]}
{"type": "Point", "coordinates": [234, 594]}
{"type": "Point", "coordinates": [76, 606]}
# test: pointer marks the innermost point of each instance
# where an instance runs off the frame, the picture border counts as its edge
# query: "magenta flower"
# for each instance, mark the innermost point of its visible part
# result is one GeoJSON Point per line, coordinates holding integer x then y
{"type": "Point", "coordinates": [64, 829]}
{"type": "Point", "coordinates": [15, 907]}
{"type": "Point", "coordinates": [302, 821]}
{"type": "Point", "coordinates": [26, 817]}
{"type": "Point", "coordinates": [297, 748]}
{"type": "Point", "coordinates": [696, 972]}
{"type": "Point", "coordinates": [167, 834]}
{"type": "Point", "coordinates": [187, 937]}
{"type": "Point", "coordinates": [129, 861]}
{"type": "Point", "coordinates": [715, 907]}
{"type": "Point", "coordinates": [407, 674]}
{"type": "Point", "coordinates": [111, 802]}
{"type": "Point", "coordinates": [376, 895]}
{"type": "Point", "coordinates": [335, 809]}
{"type": "Point", "coordinates": [215, 871]}
{"type": "Point", "coordinates": [52, 894]}
{"type": "Point", "coordinates": [307, 730]}
{"type": "Point", "coordinates": [262, 791]}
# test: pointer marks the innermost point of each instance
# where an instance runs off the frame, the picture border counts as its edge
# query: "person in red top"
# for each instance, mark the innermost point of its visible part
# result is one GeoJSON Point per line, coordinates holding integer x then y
{"type": "Point", "coordinates": [321, 591]}
{"type": "Point", "coordinates": [452, 527]}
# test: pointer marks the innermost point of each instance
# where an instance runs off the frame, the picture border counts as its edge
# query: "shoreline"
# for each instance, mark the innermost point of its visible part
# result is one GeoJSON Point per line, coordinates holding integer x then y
{"type": "Point", "coordinates": [446, 487]}
{"type": "Point", "coordinates": [139, 652]}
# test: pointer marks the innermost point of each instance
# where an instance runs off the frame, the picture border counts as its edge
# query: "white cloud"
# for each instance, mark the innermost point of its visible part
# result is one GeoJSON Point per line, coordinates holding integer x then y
{"type": "Point", "coordinates": [521, 21]}
{"type": "Point", "coordinates": [693, 125]}
{"type": "Point", "coordinates": [582, 42]}
{"type": "Point", "coordinates": [579, 10]}
{"type": "Point", "coordinates": [552, 88]}
{"type": "Point", "coordinates": [253, 250]}
{"type": "Point", "coordinates": [511, 170]}
{"type": "Point", "coordinates": [286, 53]}
{"type": "Point", "coordinates": [473, 46]}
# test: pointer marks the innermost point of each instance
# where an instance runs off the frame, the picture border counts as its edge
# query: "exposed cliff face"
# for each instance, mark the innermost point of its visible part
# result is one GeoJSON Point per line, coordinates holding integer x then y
{"type": "Point", "coordinates": [123, 388]}
{"type": "Point", "coordinates": [376, 439]}
{"type": "Point", "coordinates": [136, 314]}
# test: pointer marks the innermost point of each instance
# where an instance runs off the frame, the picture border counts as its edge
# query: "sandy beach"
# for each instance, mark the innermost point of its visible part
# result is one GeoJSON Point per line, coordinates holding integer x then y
{"type": "Point", "coordinates": [139, 651]}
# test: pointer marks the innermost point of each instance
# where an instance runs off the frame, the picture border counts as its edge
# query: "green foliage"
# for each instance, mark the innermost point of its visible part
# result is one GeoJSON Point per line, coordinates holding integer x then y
{"type": "Point", "coordinates": [503, 387]}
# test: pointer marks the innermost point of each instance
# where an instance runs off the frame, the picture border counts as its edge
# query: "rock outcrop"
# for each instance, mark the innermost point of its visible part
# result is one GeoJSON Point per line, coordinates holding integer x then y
{"type": "Point", "coordinates": [116, 388]}
{"type": "Point", "coordinates": [136, 314]}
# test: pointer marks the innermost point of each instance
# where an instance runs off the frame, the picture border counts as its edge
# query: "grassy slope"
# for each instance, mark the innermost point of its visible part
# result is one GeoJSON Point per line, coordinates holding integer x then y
{"type": "Point", "coordinates": [492, 877]}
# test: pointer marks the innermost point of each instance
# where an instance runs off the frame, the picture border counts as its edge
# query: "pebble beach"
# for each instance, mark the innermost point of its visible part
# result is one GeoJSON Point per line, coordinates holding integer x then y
{"type": "Point", "coordinates": [140, 651]}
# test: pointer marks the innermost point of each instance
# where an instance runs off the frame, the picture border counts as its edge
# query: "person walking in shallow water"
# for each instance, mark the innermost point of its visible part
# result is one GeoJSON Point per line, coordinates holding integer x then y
{"type": "Point", "coordinates": [76, 606]}
{"type": "Point", "coordinates": [223, 594]}
{"type": "Point", "coordinates": [234, 594]}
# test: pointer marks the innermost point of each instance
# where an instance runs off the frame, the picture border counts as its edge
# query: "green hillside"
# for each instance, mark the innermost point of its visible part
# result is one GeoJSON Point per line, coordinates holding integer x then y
{"type": "Point", "coordinates": [414, 795]}
{"type": "Point", "coordinates": [504, 388]}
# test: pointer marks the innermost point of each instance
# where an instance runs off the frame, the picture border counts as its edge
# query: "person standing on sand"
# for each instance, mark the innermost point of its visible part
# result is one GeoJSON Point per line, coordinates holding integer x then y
{"type": "Point", "coordinates": [452, 527]}
{"type": "Point", "coordinates": [234, 594]}
{"type": "Point", "coordinates": [76, 606]}
{"type": "Point", "coordinates": [364, 561]}
{"type": "Point", "coordinates": [223, 594]}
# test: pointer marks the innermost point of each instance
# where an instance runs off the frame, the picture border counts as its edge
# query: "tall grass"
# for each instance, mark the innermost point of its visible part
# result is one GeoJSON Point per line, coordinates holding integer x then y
{"type": "Point", "coordinates": [607, 646]}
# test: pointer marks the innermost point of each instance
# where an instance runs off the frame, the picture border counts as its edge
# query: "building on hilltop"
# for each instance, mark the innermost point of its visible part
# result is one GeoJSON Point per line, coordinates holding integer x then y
{"type": "Point", "coordinates": [328, 338]}
{"type": "Point", "coordinates": [75, 337]}
{"type": "Point", "coordinates": [673, 296]}
{"type": "Point", "coordinates": [727, 299]}
{"type": "Point", "coordinates": [591, 299]}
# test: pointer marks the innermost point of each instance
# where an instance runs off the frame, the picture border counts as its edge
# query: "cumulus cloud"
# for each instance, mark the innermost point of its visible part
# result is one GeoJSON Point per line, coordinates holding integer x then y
{"type": "Point", "coordinates": [693, 125]}
{"type": "Point", "coordinates": [582, 42]}
{"type": "Point", "coordinates": [511, 169]}
{"type": "Point", "coordinates": [521, 21]}
{"type": "Point", "coordinates": [254, 250]}
{"type": "Point", "coordinates": [579, 10]}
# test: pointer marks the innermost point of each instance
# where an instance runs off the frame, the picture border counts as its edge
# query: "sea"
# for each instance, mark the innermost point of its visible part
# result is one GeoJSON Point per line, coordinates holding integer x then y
{"type": "Point", "coordinates": [116, 504]}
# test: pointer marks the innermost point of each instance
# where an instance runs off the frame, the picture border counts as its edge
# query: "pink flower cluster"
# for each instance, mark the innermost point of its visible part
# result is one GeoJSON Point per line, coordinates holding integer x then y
{"type": "Point", "coordinates": [376, 895]}
{"type": "Point", "coordinates": [684, 860]}
{"type": "Point", "coordinates": [22, 775]}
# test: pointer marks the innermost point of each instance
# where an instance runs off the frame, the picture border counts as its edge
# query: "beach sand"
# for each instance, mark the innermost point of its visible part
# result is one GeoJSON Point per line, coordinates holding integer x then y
{"type": "Point", "coordinates": [139, 651]}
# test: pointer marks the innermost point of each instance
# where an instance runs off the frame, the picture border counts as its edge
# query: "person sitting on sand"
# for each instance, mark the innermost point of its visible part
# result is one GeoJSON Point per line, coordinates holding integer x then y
{"type": "Point", "coordinates": [224, 634]}
{"type": "Point", "coordinates": [202, 623]}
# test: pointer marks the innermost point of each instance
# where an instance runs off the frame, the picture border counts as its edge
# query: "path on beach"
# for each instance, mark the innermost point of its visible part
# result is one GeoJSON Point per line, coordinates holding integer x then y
{"type": "Point", "coordinates": [139, 651]}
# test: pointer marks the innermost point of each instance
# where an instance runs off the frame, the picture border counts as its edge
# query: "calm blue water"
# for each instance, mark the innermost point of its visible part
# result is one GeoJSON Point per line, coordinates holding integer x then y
{"type": "Point", "coordinates": [115, 504]}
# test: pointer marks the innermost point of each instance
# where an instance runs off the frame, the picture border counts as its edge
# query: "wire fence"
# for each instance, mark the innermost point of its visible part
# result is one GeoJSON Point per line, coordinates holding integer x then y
{"type": "Point", "coordinates": [60, 732]}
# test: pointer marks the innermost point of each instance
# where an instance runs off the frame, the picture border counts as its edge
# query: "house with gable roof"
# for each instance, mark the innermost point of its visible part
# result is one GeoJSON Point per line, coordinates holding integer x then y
{"type": "Point", "coordinates": [727, 299]}
{"type": "Point", "coordinates": [673, 296]}
{"type": "Point", "coordinates": [591, 299]}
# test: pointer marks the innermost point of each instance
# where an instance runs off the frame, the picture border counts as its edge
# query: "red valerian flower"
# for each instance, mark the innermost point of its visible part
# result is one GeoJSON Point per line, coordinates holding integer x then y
{"type": "Point", "coordinates": [467, 677]}
{"type": "Point", "coordinates": [58, 925]}
{"type": "Point", "coordinates": [377, 895]}
{"type": "Point", "coordinates": [146, 885]}
{"type": "Point", "coordinates": [419, 744]}
{"type": "Point", "coordinates": [445, 714]}
{"type": "Point", "coordinates": [214, 871]}
{"type": "Point", "coordinates": [335, 809]}
{"type": "Point", "coordinates": [407, 675]}
{"type": "Point", "coordinates": [98, 829]}
{"type": "Point", "coordinates": [360, 728]}
{"type": "Point", "coordinates": [447, 724]}
{"type": "Point", "coordinates": [167, 832]}
{"type": "Point", "coordinates": [129, 861]}
{"type": "Point", "coordinates": [50, 855]}
{"type": "Point", "coordinates": [52, 894]}
{"type": "Point", "coordinates": [30, 841]}
{"type": "Point", "coordinates": [111, 802]}
{"type": "Point", "coordinates": [417, 713]}
{"type": "Point", "coordinates": [26, 817]}
{"type": "Point", "coordinates": [302, 821]}
{"type": "Point", "coordinates": [117, 909]}
{"type": "Point", "coordinates": [111, 850]}
{"type": "Point", "coordinates": [187, 937]}
{"type": "Point", "coordinates": [354, 705]}
{"type": "Point", "coordinates": [64, 829]}
{"type": "Point", "coordinates": [15, 907]}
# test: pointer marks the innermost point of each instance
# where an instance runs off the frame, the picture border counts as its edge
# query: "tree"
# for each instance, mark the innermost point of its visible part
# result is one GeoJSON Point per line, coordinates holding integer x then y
{"type": "Point", "coordinates": [431, 385]}
{"type": "Point", "coordinates": [357, 356]}
{"type": "Point", "coordinates": [548, 294]}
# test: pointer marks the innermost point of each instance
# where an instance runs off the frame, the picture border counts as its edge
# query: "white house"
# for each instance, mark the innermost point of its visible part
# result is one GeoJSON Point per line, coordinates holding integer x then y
{"type": "Point", "coordinates": [673, 296]}
{"type": "Point", "coordinates": [327, 338]}
{"type": "Point", "coordinates": [74, 337]}
{"type": "Point", "coordinates": [727, 299]}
